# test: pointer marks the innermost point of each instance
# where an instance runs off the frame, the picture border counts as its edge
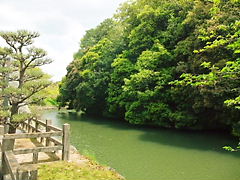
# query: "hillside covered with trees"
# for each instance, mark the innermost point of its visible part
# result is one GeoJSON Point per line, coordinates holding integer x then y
{"type": "Point", "coordinates": [173, 64]}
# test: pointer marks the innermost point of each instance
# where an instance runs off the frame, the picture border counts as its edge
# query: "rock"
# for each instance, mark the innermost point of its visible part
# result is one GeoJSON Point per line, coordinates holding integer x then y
{"type": "Point", "coordinates": [24, 109]}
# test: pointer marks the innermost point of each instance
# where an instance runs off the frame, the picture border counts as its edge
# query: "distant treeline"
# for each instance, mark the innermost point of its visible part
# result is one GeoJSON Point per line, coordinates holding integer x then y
{"type": "Point", "coordinates": [159, 62]}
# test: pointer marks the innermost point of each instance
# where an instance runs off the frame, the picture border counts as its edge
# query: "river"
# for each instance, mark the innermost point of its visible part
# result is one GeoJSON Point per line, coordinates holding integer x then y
{"type": "Point", "coordinates": [146, 153]}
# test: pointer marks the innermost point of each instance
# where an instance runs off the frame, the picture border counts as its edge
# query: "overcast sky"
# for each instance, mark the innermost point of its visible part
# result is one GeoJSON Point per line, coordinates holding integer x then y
{"type": "Point", "coordinates": [61, 24]}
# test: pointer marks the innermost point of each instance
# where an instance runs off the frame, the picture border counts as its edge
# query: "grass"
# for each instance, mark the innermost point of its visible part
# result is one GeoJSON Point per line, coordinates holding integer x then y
{"type": "Point", "coordinates": [68, 171]}
{"type": "Point", "coordinates": [89, 155]}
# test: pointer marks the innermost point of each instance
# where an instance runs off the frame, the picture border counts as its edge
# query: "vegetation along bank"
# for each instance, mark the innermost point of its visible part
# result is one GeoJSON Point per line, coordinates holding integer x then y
{"type": "Point", "coordinates": [172, 64]}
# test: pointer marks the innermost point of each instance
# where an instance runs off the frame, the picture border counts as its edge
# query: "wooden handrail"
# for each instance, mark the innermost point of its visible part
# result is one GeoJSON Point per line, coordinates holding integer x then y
{"type": "Point", "coordinates": [32, 128]}
{"type": "Point", "coordinates": [40, 122]}
{"type": "Point", "coordinates": [37, 150]}
{"type": "Point", "coordinates": [11, 164]}
{"type": "Point", "coordinates": [32, 135]}
{"type": "Point", "coordinates": [55, 141]}
{"type": "Point", "coordinates": [51, 127]}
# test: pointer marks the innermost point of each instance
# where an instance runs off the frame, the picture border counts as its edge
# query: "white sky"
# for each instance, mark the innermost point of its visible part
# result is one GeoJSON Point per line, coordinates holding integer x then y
{"type": "Point", "coordinates": [61, 23]}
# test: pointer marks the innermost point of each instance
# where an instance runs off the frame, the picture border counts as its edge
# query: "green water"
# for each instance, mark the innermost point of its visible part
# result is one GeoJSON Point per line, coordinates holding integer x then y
{"type": "Point", "coordinates": [141, 153]}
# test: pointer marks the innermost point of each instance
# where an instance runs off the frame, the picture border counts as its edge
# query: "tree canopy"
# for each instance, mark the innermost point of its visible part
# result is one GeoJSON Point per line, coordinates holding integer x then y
{"type": "Point", "coordinates": [21, 77]}
{"type": "Point", "coordinates": [165, 63]}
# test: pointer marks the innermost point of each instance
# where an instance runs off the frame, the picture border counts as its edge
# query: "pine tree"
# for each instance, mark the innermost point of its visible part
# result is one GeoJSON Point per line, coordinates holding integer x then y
{"type": "Point", "coordinates": [20, 76]}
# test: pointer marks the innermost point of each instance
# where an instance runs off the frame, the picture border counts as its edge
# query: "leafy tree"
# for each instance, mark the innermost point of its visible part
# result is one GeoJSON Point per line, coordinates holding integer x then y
{"type": "Point", "coordinates": [147, 94]}
{"type": "Point", "coordinates": [93, 36]}
{"type": "Point", "coordinates": [85, 85]}
{"type": "Point", "coordinates": [94, 72]}
{"type": "Point", "coordinates": [122, 68]}
{"type": "Point", "coordinates": [131, 65]}
{"type": "Point", "coordinates": [21, 76]}
{"type": "Point", "coordinates": [67, 87]}
{"type": "Point", "coordinates": [218, 82]}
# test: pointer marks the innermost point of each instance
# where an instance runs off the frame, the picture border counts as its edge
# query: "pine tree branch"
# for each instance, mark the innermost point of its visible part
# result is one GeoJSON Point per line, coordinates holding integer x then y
{"type": "Point", "coordinates": [37, 89]}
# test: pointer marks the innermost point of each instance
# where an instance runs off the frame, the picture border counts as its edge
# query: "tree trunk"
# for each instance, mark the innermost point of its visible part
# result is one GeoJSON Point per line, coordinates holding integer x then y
{"type": "Point", "coordinates": [12, 129]}
{"type": "Point", "coordinates": [14, 109]}
{"type": "Point", "coordinates": [11, 142]}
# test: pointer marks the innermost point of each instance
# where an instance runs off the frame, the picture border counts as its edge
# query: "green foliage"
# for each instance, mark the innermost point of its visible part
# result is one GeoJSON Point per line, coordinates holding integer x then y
{"type": "Point", "coordinates": [94, 72]}
{"type": "Point", "coordinates": [4, 115]}
{"type": "Point", "coordinates": [122, 68]}
{"type": "Point", "coordinates": [16, 118]}
{"type": "Point", "coordinates": [85, 86]}
{"type": "Point", "coordinates": [93, 36]}
{"type": "Point", "coordinates": [49, 95]}
{"type": "Point", "coordinates": [20, 75]}
{"type": "Point", "coordinates": [233, 102]}
{"type": "Point", "coordinates": [229, 148]}
{"type": "Point", "coordinates": [166, 63]}
{"type": "Point", "coordinates": [52, 102]}
{"type": "Point", "coordinates": [219, 84]}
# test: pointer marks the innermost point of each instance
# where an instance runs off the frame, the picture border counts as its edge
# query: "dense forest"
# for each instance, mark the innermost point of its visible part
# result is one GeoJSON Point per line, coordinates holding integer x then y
{"type": "Point", "coordinates": [173, 64]}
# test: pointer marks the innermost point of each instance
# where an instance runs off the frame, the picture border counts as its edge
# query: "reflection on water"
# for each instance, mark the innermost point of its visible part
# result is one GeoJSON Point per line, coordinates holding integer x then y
{"type": "Point", "coordinates": [142, 153]}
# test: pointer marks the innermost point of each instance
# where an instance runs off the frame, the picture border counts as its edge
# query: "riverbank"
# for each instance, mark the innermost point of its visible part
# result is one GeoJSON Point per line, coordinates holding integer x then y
{"type": "Point", "coordinates": [78, 167]}
{"type": "Point", "coordinates": [38, 110]}
{"type": "Point", "coordinates": [69, 171]}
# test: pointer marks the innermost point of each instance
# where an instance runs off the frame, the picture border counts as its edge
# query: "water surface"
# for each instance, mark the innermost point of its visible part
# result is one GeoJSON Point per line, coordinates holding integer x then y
{"type": "Point", "coordinates": [145, 153]}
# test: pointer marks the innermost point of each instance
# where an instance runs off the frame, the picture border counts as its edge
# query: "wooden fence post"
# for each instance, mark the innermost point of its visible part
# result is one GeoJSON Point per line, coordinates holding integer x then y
{"type": "Point", "coordinates": [27, 173]}
{"type": "Point", "coordinates": [1, 154]}
{"type": "Point", "coordinates": [22, 126]}
{"type": "Point", "coordinates": [22, 175]}
{"type": "Point", "coordinates": [6, 126]}
{"type": "Point", "coordinates": [36, 126]}
{"type": "Point", "coordinates": [41, 139]}
{"type": "Point", "coordinates": [29, 123]}
{"type": "Point", "coordinates": [66, 142]}
{"type": "Point", "coordinates": [1, 130]}
{"type": "Point", "coordinates": [7, 145]}
{"type": "Point", "coordinates": [48, 122]}
{"type": "Point", "coordinates": [33, 174]}
{"type": "Point", "coordinates": [35, 157]}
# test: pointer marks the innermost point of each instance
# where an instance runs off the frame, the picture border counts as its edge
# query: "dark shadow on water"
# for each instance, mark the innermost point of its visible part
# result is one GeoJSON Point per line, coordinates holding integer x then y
{"type": "Point", "coordinates": [199, 140]}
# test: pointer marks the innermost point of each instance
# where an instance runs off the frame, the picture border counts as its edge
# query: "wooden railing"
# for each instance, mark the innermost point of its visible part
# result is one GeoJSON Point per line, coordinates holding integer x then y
{"type": "Point", "coordinates": [45, 133]}
{"type": "Point", "coordinates": [10, 168]}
